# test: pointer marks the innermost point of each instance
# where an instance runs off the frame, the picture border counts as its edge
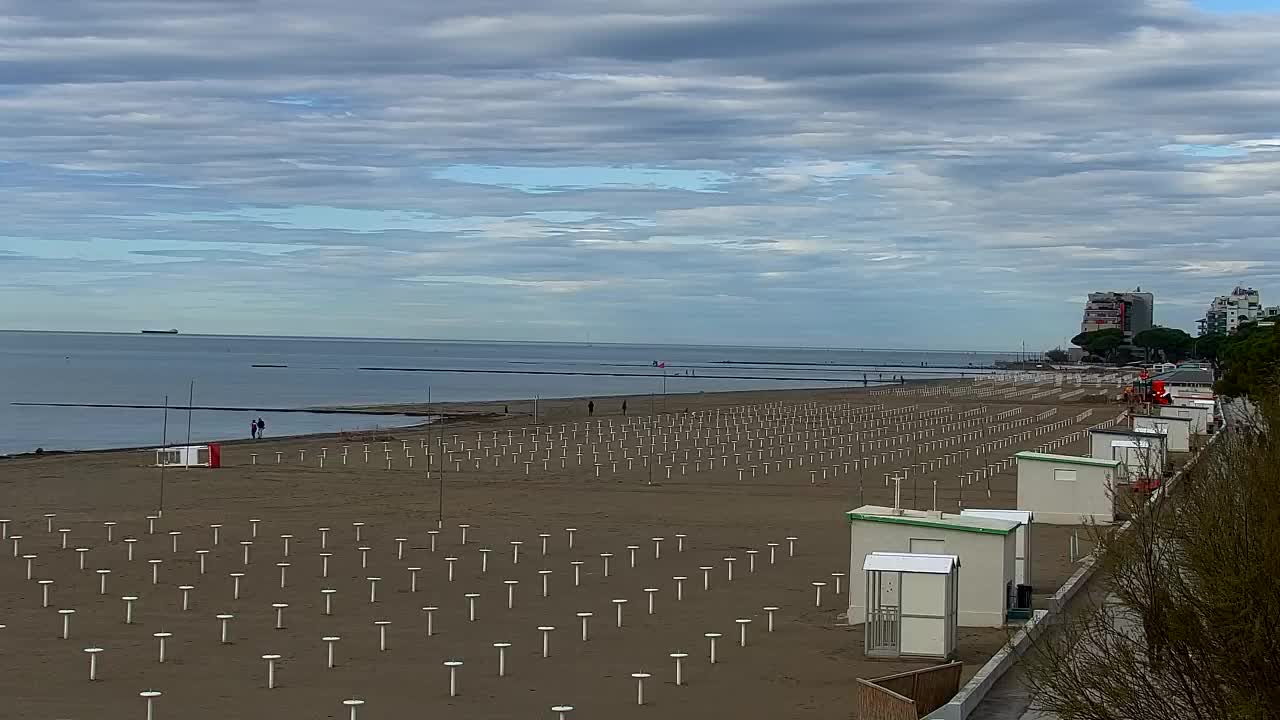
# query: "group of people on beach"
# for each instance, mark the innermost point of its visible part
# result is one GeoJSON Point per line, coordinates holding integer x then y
{"type": "Point", "coordinates": [257, 429]}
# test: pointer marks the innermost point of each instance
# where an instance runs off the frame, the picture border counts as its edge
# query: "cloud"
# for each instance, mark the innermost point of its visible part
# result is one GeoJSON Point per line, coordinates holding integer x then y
{"type": "Point", "coordinates": [553, 179]}
{"type": "Point", "coordinates": [709, 171]}
{"type": "Point", "coordinates": [1219, 268]}
{"type": "Point", "coordinates": [805, 175]}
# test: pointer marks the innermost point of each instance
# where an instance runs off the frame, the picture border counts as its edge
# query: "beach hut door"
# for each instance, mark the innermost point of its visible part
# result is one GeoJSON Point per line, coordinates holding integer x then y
{"type": "Point", "coordinates": [884, 613]}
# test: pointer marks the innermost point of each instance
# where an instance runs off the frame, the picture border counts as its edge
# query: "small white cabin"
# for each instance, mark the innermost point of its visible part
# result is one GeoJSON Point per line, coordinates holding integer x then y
{"type": "Point", "coordinates": [912, 603]}
{"type": "Point", "coordinates": [1022, 536]}
{"type": "Point", "coordinates": [1067, 490]}
{"type": "Point", "coordinates": [1177, 430]}
{"type": "Point", "coordinates": [1185, 395]}
{"type": "Point", "coordinates": [188, 456]}
{"type": "Point", "coordinates": [986, 548]}
{"type": "Point", "coordinates": [1199, 414]}
{"type": "Point", "coordinates": [1143, 454]}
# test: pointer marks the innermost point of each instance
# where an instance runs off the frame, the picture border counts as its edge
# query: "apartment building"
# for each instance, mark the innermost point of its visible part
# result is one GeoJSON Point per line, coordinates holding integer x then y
{"type": "Point", "coordinates": [1227, 312]}
{"type": "Point", "coordinates": [1131, 312]}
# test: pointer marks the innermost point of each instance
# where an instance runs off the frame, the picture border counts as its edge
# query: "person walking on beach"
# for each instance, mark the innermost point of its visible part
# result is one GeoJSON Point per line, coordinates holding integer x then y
{"type": "Point", "coordinates": [262, 429]}
{"type": "Point", "coordinates": [591, 407]}
{"type": "Point", "coordinates": [253, 429]}
{"type": "Point", "coordinates": [624, 408]}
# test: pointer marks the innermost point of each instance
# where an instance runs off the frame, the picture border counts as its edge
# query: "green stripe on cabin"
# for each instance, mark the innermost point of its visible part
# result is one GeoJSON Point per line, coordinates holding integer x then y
{"type": "Point", "coordinates": [924, 522]}
{"type": "Point", "coordinates": [1067, 459]}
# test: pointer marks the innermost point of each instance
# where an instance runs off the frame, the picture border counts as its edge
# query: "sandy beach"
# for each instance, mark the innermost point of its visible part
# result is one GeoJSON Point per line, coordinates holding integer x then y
{"type": "Point", "coordinates": [805, 669]}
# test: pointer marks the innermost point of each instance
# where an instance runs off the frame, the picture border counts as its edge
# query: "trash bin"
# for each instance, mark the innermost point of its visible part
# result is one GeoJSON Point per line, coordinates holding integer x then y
{"type": "Point", "coordinates": [1023, 597]}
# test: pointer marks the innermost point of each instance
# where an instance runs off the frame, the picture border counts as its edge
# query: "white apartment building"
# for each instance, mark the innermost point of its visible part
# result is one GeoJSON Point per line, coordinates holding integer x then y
{"type": "Point", "coordinates": [1227, 312]}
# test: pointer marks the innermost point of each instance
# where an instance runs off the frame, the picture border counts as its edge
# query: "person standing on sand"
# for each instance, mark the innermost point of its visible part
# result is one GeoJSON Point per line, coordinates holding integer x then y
{"type": "Point", "coordinates": [253, 429]}
{"type": "Point", "coordinates": [262, 429]}
{"type": "Point", "coordinates": [624, 408]}
{"type": "Point", "coordinates": [591, 407]}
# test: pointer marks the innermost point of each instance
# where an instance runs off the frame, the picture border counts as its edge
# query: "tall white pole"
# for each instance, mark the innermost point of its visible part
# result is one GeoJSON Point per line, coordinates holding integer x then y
{"type": "Point", "coordinates": [191, 396]}
{"type": "Point", "coordinates": [164, 443]}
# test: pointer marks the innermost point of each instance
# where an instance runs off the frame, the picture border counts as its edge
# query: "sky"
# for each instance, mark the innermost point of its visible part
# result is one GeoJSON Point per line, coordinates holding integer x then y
{"type": "Point", "coordinates": [854, 173]}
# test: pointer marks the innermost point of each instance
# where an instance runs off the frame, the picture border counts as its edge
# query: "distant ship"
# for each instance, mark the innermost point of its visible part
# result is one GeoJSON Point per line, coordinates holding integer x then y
{"type": "Point", "coordinates": [172, 331]}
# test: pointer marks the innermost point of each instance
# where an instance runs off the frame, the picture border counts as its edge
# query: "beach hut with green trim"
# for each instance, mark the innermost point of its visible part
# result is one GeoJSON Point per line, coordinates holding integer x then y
{"type": "Point", "coordinates": [1068, 490]}
{"type": "Point", "coordinates": [986, 549]}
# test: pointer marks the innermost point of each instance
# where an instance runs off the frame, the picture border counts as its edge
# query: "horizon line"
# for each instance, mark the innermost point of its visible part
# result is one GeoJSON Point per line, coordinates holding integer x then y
{"type": "Point", "coordinates": [584, 343]}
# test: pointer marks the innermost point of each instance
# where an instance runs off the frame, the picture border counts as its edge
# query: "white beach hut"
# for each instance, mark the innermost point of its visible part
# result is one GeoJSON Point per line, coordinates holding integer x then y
{"type": "Point", "coordinates": [1184, 395]}
{"type": "Point", "coordinates": [1022, 538]}
{"type": "Point", "coordinates": [985, 547]}
{"type": "Point", "coordinates": [912, 605]}
{"type": "Point", "coordinates": [1067, 490]}
{"type": "Point", "coordinates": [1199, 412]}
{"type": "Point", "coordinates": [188, 456]}
{"type": "Point", "coordinates": [1143, 454]}
{"type": "Point", "coordinates": [1177, 430]}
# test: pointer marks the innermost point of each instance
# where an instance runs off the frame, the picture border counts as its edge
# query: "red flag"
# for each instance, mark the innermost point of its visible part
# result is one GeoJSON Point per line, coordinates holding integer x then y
{"type": "Point", "coordinates": [662, 364]}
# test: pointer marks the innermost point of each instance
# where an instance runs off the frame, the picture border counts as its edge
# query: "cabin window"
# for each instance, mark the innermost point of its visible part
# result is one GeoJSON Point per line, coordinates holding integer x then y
{"type": "Point", "coordinates": [927, 546]}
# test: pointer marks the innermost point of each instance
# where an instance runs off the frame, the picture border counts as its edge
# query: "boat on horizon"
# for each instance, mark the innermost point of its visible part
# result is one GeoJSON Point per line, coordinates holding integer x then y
{"type": "Point", "coordinates": [171, 331]}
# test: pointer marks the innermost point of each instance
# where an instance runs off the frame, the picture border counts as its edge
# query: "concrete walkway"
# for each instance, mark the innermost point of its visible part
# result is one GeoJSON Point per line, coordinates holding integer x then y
{"type": "Point", "coordinates": [1010, 699]}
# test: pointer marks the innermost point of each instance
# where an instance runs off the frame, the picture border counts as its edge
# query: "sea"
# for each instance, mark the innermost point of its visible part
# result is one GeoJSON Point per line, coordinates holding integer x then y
{"type": "Point", "coordinates": [49, 382]}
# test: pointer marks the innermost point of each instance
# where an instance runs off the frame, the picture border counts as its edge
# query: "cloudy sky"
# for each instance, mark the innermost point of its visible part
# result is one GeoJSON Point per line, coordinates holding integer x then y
{"type": "Point", "coordinates": [910, 173]}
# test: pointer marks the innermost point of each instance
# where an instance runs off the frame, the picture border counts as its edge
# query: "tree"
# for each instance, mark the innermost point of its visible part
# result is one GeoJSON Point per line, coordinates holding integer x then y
{"type": "Point", "coordinates": [1207, 347]}
{"type": "Point", "coordinates": [1057, 355]}
{"type": "Point", "coordinates": [1102, 343]}
{"type": "Point", "coordinates": [1186, 622]}
{"type": "Point", "coordinates": [1249, 361]}
{"type": "Point", "coordinates": [1123, 354]}
{"type": "Point", "coordinates": [1170, 344]}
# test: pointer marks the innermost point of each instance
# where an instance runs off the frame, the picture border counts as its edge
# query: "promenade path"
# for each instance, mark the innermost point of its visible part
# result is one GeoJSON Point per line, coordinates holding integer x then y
{"type": "Point", "coordinates": [1010, 699]}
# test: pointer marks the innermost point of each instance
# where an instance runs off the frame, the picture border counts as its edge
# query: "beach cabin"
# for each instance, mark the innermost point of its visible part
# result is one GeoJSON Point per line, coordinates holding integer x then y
{"type": "Point", "coordinates": [1067, 490]}
{"type": "Point", "coordinates": [1022, 538]}
{"type": "Point", "coordinates": [188, 456]}
{"type": "Point", "coordinates": [912, 605]}
{"type": "Point", "coordinates": [1184, 396]}
{"type": "Point", "coordinates": [1200, 415]}
{"type": "Point", "coordinates": [1176, 430]}
{"type": "Point", "coordinates": [1188, 381]}
{"type": "Point", "coordinates": [1143, 454]}
{"type": "Point", "coordinates": [986, 549]}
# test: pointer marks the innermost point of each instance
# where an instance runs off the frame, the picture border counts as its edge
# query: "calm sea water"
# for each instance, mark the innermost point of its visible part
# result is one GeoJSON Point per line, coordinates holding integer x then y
{"type": "Point", "coordinates": [143, 369]}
